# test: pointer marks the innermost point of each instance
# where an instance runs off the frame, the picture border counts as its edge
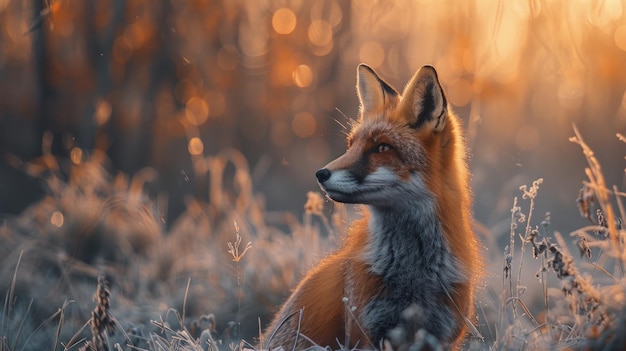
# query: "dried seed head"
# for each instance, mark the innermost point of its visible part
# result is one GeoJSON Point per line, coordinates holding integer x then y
{"type": "Point", "coordinates": [531, 193]}
{"type": "Point", "coordinates": [101, 321]}
{"type": "Point", "coordinates": [583, 248]}
{"type": "Point", "coordinates": [508, 259]}
{"type": "Point", "coordinates": [518, 214]}
{"type": "Point", "coordinates": [584, 201]}
{"type": "Point", "coordinates": [601, 219]}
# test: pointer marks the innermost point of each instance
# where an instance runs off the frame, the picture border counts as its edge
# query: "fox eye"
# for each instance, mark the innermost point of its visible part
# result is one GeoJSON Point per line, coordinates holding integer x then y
{"type": "Point", "coordinates": [383, 147]}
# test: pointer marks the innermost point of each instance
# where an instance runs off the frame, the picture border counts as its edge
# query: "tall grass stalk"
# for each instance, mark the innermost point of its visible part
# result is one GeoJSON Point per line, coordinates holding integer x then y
{"type": "Point", "coordinates": [527, 194]}
{"type": "Point", "coordinates": [8, 299]}
{"type": "Point", "coordinates": [601, 193]}
{"type": "Point", "coordinates": [543, 278]}
{"type": "Point", "coordinates": [233, 250]}
{"type": "Point", "coordinates": [578, 314]}
{"type": "Point", "coordinates": [509, 251]}
{"type": "Point", "coordinates": [45, 323]}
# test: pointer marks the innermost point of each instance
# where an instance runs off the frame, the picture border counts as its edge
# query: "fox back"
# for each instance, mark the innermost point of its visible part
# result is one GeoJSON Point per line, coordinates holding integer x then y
{"type": "Point", "coordinates": [411, 262]}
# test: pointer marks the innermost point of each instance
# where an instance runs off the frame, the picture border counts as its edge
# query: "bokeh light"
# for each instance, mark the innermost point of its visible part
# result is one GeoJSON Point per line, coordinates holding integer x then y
{"type": "Point", "coordinates": [134, 35]}
{"type": "Point", "coordinates": [303, 76]}
{"type": "Point", "coordinates": [76, 155]}
{"type": "Point", "coordinates": [273, 78]}
{"type": "Point", "coordinates": [284, 21]}
{"type": "Point", "coordinates": [195, 146]}
{"type": "Point", "coordinates": [57, 219]}
{"type": "Point", "coordinates": [103, 112]}
{"type": "Point", "coordinates": [320, 33]}
{"type": "Point", "coordinates": [196, 111]}
{"type": "Point", "coordinates": [169, 84]}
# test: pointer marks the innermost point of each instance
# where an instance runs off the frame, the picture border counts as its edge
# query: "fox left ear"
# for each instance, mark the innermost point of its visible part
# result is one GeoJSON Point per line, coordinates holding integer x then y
{"type": "Point", "coordinates": [424, 100]}
{"type": "Point", "coordinates": [374, 94]}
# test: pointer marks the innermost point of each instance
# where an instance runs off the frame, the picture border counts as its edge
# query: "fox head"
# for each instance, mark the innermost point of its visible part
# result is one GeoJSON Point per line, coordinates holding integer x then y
{"type": "Point", "coordinates": [397, 146]}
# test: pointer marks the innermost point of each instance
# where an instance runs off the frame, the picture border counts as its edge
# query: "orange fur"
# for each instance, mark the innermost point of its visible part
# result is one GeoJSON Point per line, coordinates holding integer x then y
{"type": "Point", "coordinates": [412, 141]}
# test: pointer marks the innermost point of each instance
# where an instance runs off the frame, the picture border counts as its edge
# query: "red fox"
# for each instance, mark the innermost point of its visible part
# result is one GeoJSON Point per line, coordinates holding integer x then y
{"type": "Point", "coordinates": [411, 262]}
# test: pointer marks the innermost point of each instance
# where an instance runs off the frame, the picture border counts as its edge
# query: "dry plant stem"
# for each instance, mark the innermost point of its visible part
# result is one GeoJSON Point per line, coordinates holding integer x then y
{"type": "Point", "coordinates": [528, 194]}
{"type": "Point", "coordinates": [295, 341]}
{"type": "Point", "coordinates": [598, 184]}
{"type": "Point", "coordinates": [484, 315]}
{"type": "Point", "coordinates": [353, 317]}
{"type": "Point", "coordinates": [8, 302]}
{"type": "Point", "coordinates": [19, 330]}
{"type": "Point", "coordinates": [509, 258]}
{"type": "Point", "coordinates": [618, 196]}
{"type": "Point", "coordinates": [544, 283]}
{"type": "Point", "coordinates": [347, 321]}
{"type": "Point", "coordinates": [238, 299]}
{"type": "Point", "coordinates": [72, 342]}
{"type": "Point", "coordinates": [182, 320]}
{"type": "Point", "coordinates": [233, 250]}
{"type": "Point", "coordinates": [521, 260]}
{"type": "Point", "coordinates": [59, 326]}
{"type": "Point", "coordinates": [45, 323]}
{"type": "Point", "coordinates": [516, 300]}
{"type": "Point", "coordinates": [584, 285]}
{"type": "Point", "coordinates": [269, 341]}
{"type": "Point", "coordinates": [546, 299]}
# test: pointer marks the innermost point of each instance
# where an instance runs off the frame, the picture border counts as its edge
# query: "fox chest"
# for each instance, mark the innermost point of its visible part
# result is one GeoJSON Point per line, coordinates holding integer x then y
{"type": "Point", "coordinates": [409, 297]}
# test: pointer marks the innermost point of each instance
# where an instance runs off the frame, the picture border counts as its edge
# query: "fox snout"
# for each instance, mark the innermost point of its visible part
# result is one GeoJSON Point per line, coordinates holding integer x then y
{"type": "Point", "coordinates": [322, 175]}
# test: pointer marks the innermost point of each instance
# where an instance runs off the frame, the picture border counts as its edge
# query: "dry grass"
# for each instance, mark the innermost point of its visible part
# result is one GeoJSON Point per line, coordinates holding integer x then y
{"type": "Point", "coordinates": [189, 286]}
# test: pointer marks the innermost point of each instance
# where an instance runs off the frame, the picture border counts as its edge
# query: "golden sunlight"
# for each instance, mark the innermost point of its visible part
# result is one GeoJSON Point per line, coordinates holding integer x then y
{"type": "Point", "coordinates": [76, 155]}
{"type": "Point", "coordinates": [284, 21]}
{"type": "Point", "coordinates": [196, 111]}
{"type": "Point", "coordinates": [57, 219]}
{"type": "Point", "coordinates": [303, 76]}
{"type": "Point", "coordinates": [106, 107]}
{"type": "Point", "coordinates": [195, 146]}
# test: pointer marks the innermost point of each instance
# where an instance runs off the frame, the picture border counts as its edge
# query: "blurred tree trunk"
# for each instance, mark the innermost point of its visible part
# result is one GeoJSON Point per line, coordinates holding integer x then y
{"type": "Point", "coordinates": [44, 120]}
{"type": "Point", "coordinates": [99, 47]}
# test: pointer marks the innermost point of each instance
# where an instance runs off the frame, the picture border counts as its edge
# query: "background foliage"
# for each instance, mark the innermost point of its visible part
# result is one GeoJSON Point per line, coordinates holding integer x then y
{"type": "Point", "coordinates": [133, 126]}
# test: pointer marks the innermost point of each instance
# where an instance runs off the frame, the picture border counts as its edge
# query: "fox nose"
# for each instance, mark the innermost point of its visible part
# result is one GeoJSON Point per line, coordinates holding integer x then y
{"type": "Point", "coordinates": [322, 175]}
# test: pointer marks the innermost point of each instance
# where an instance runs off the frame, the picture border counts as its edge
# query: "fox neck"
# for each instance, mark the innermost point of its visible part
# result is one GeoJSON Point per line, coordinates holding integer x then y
{"type": "Point", "coordinates": [406, 245]}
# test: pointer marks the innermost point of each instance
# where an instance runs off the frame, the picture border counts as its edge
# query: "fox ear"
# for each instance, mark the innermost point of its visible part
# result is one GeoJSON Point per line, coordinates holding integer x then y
{"type": "Point", "coordinates": [424, 100]}
{"type": "Point", "coordinates": [374, 94]}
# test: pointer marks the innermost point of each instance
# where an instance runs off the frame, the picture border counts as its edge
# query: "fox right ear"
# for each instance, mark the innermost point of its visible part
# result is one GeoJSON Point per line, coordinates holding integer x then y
{"type": "Point", "coordinates": [374, 94]}
{"type": "Point", "coordinates": [424, 100]}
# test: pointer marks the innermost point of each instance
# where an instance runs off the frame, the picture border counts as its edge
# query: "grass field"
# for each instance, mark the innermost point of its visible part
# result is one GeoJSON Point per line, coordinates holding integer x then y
{"type": "Point", "coordinates": [94, 266]}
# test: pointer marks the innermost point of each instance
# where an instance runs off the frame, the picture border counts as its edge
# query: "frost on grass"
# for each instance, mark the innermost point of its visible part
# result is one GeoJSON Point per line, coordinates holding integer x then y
{"type": "Point", "coordinates": [187, 285]}
{"type": "Point", "coordinates": [584, 296]}
{"type": "Point", "coordinates": [171, 286]}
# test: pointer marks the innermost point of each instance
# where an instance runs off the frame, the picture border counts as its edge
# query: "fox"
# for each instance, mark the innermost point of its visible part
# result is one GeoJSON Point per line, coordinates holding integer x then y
{"type": "Point", "coordinates": [411, 262]}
